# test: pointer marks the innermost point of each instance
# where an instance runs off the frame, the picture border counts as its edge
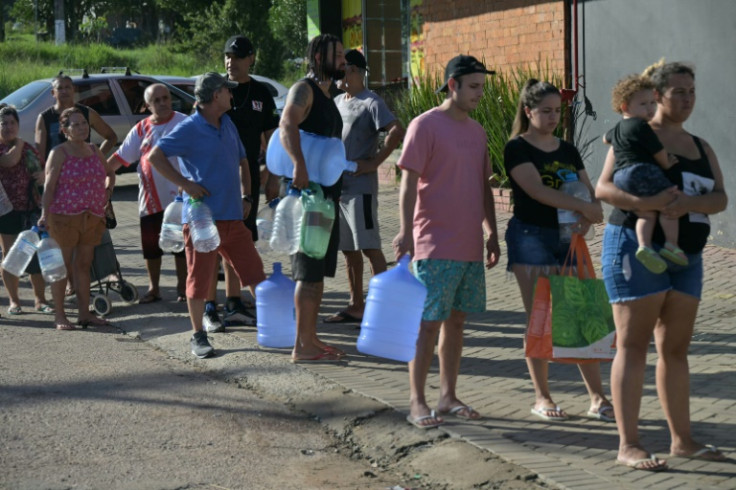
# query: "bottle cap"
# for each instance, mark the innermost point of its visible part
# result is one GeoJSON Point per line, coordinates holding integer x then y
{"type": "Point", "coordinates": [179, 198]}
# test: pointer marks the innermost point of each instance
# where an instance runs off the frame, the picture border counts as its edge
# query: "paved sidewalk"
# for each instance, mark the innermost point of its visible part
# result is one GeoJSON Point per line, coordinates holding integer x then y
{"type": "Point", "coordinates": [579, 453]}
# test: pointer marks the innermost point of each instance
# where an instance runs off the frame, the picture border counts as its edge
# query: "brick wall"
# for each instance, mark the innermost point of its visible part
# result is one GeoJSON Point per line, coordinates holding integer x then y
{"type": "Point", "coordinates": [506, 33]}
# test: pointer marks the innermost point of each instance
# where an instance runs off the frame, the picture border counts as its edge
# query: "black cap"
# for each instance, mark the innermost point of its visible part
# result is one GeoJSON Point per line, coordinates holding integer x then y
{"type": "Point", "coordinates": [463, 65]}
{"type": "Point", "coordinates": [240, 46]}
{"type": "Point", "coordinates": [355, 58]}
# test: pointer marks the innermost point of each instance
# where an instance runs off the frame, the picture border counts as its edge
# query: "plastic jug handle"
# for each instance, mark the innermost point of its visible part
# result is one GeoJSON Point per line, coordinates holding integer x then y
{"type": "Point", "coordinates": [404, 261]}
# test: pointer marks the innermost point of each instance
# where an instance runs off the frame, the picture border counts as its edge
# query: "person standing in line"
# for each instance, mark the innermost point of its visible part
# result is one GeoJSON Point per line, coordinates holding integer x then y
{"type": "Point", "coordinates": [364, 116]}
{"type": "Point", "coordinates": [155, 191]}
{"type": "Point", "coordinates": [48, 132]}
{"type": "Point", "coordinates": [254, 114]}
{"type": "Point", "coordinates": [445, 160]}
{"type": "Point", "coordinates": [663, 305]}
{"type": "Point", "coordinates": [533, 157]}
{"type": "Point", "coordinates": [310, 107]}
{"type": "Point", "coordinates": [20, 173]}
{"type": "Point", "coordinates": [212, 167]}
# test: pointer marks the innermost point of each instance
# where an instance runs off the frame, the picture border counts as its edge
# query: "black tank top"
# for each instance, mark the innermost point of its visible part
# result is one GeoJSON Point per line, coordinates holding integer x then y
{"type": "Point", "coordinates": [54, 136]}
{"type": "Point", "coordinates": [694, 178]}
{"type": "Point", "coordinates": [324, 119]}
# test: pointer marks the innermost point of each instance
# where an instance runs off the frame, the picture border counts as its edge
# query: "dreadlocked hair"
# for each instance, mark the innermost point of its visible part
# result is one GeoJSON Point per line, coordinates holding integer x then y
{"type": "Point", "coordinates": [320, 45]}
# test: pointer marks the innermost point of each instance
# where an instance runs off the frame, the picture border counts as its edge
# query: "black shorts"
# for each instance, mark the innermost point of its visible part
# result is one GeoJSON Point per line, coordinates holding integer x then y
{"type": "Point", "coordinates": [307, 269]}
{"type": "Point", "coordinates": [12, 224]}
{"type": "Point", "coordinates": [150, 231]}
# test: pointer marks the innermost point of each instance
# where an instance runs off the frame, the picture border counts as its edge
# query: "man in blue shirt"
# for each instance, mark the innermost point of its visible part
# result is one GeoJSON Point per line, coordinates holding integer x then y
{"type": "Point", "coordinates": [214, 168]}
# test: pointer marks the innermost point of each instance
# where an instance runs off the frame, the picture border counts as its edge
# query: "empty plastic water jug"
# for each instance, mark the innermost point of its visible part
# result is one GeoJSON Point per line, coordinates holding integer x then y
{"type": "Point", "coordinates": [393, 313]}
{"type": "Point", "coordinates": [50, 259]}
{"type": "Point", "coordinates": [324, 158]}
{"type": "Point", "coordinates": [287, 223]}
{"type": "Point", "coordinates": [264, 224]}
{"type": "Point", "coordinates": [171, 237]}
{"type": "Point", "coordinates": [275, 310]}
{"type": "Point", "coordinates": [205, 236]}
{"type": "Point", "coordinates": [318, 216]}
{"type": "Point", "coordinates": [22, 251]}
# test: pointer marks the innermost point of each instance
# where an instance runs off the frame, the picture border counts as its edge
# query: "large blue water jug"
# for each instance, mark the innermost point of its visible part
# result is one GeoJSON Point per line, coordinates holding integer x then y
{"type": "Point", "coordinates": [393, 313]}
{"type": "Point", "coordinates": [275, 310]}
{"type": "Point", "coordinates": [325, 158]}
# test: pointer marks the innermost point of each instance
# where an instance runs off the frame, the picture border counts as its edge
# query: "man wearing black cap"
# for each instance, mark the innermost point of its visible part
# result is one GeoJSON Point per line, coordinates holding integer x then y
{"type": "Point", "coordinates": [445, 204]}
{"type": "Point", "coordinates": [364, 116]}
{"type": "Point", "coordinates": [213, 168]}
{"type": "Point", "coordinates": [254, 114]}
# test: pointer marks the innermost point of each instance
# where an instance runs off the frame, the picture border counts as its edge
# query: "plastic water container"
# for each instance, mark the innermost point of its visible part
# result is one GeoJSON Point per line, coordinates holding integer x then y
{"type": "Point", "coordinates": [318, 216]}
{"type": "Point", "coordinates": [171, 238]}
{"type": "Point", "coordinates": [324, 158]}
{"type": "Point", "coordinates": [50, 259]}
{"type": "Point", "coordinates": [275, 310]}
{"type": "Point", "coordinates": [287, 223]}
{"type": "Point", "coordinates": [5, 205]}
{"type": "Point", "coordinates": [393, 313]}
{"type": "Point", "coordinates": [205, 237]}
{"type": "Point", "coordinates": [22, 251]}
{"type": "Point", "coordinates": [566, 218]}
{"type": "Point", "coordinates": [264, 223]}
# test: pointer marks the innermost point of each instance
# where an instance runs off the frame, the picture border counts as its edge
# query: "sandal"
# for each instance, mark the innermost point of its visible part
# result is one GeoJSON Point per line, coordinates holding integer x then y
{"type": "Point", "coordinates": [674, 254]}
{"type": "Point", "coordinates": [181, 298]}
{"type": "Point", "coordinates": [649, 259]}
{"type": "Point", "coordinates": [15, 310]}
{"type": "Point", "coordinates": [65, 326]}
{"type": "Point", "coordinates": [44, 308]}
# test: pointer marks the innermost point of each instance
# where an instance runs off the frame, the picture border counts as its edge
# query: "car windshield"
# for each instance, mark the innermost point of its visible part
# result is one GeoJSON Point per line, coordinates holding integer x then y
{"type": "Point", "coordinates": [26, 94]}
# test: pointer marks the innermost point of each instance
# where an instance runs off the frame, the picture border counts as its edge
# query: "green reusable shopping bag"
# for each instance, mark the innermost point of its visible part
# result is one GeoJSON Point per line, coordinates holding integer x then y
{"type": "Point", "coordinates": [582, 319]}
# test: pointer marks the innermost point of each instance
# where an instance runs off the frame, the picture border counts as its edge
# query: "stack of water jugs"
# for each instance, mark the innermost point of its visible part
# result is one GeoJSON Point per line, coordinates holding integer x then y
{"type": "Point", "coordinates": [30, 242]}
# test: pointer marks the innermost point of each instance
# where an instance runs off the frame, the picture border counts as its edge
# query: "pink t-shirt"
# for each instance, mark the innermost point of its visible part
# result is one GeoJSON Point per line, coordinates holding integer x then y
{"type": "Point", "coordinates": [451, 158]}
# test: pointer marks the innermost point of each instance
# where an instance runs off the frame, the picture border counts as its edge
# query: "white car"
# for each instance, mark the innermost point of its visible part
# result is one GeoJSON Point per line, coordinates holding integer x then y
{"type": "Point", "coordinates": [278, 91]}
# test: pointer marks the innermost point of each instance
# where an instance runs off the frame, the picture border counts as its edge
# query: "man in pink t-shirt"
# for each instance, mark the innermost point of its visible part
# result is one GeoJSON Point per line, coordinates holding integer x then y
{"type": "Point", "coordinates": [445, 203]}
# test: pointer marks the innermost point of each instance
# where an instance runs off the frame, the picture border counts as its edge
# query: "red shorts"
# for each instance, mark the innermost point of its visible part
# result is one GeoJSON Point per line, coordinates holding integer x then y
{"type": "Point", "coordinates": [238, 250]}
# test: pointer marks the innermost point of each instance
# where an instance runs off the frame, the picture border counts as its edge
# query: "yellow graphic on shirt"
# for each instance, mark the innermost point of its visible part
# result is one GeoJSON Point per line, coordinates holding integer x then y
{"type": "Point", "coordinates": [550, 173]}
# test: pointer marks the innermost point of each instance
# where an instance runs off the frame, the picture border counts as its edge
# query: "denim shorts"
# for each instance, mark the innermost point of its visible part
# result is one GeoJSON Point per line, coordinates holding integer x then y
{"type": "Point", "coordinates": [451, 285]}
{"type": "Point", "coordinates": [627, 279]}
{"type": "Point", "coordinates": [534, 245]}
{"type": "Point", "coordinates": [642, 179]}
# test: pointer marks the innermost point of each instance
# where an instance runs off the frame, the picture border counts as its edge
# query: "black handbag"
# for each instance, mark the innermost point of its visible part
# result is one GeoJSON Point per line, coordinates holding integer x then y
{"type": "Point", "coordinates": [110, 221]}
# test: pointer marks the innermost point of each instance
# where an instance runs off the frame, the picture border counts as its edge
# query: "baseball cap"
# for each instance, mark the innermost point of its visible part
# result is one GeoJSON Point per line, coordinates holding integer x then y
{"type": "Point", "coordinates": [463, 65]}
{"type": "Point", "coordinates": [355, 58]}
{"type": "Point", "coordinates": [240, 46]}
{"type": "Point", "coordinates": [209, 83]}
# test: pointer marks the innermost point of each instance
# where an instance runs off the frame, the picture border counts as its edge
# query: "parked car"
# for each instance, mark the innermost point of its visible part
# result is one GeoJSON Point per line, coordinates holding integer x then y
{"type": "Point", "coordinates": [278, 91]}
{"type": "Point", "coordinates": [117, 97]}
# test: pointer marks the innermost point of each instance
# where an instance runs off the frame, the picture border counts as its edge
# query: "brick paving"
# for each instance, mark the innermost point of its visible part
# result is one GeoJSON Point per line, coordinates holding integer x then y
{"type": "Point", "coordinates": [577, 454]}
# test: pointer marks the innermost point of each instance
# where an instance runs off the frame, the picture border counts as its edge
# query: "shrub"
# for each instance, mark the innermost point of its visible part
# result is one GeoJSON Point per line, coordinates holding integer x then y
{"type": "Point", "coordinates": [495, 112]}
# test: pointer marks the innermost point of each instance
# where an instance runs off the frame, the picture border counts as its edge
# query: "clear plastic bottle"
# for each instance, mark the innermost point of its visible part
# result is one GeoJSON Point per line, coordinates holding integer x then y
{"type": "Point", "coordinates": [5, 205]}
{"type": "Point", "coordinates": [50, 259]}
{"type": "Point", "coordinates": [324, 158]}
{"type": "Point", "coordinates": [171, 238]}
{"type": "Point", "coordinates": [287, 223]}
{"type": "Point", "coordinates": [264, 223]}
{"type": "Point", "coordinates": [316, 224]}
{"type": "Point", "coordinates": [566, 218]}
{"type": "Point", "coordinates": [205, 237]}
{"type": "Point", "coordinates": [22, 251]}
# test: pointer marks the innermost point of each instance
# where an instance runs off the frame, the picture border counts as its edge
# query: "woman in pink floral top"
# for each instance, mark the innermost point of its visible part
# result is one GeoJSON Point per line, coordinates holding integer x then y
{"type": "Point", "coordinates": [19, 171]}
{"type": "Point", "coordinates": [73, 211]}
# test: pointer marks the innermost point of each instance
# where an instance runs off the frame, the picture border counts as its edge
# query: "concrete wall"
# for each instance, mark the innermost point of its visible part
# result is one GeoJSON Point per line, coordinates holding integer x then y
{"type": "Point", "coordinates": [618, 37]}
{"type": "Point", "coordinates": [506, 33]}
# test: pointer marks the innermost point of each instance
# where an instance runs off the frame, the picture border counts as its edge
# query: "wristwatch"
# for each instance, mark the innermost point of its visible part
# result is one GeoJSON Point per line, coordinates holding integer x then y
{"type": "Point", "coordinates": [247, 197]}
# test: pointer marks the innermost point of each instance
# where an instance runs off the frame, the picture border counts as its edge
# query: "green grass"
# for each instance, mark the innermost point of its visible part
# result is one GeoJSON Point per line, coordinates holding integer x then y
{"type": "Point", "coordinates": [23, 60]}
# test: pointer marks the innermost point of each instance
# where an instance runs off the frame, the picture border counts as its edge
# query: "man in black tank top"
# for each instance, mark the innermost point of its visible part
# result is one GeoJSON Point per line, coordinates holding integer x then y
{"type": "Point", "coordinates": [47, 124]}
{"type": "Point", "coordinates": [309, 106]}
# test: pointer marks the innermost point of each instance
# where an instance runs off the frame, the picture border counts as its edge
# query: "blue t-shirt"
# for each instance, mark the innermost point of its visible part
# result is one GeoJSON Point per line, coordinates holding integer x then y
{"type": "Point", "coordinates": [211, 158]}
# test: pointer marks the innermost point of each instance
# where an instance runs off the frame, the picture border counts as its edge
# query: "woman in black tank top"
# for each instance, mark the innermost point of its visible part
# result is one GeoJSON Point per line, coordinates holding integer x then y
{"type": "Point", "coordinates": [667, 301]}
